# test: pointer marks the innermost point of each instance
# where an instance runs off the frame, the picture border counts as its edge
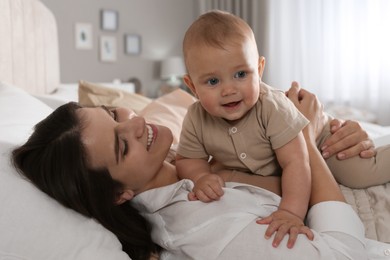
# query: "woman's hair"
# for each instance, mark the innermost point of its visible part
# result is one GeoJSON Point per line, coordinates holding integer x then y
{"type": "Point", "coordinates": [54, 159]}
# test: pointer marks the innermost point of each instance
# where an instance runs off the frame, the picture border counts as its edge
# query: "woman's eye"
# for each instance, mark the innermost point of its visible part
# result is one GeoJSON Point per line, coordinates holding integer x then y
{"type": "Point", "coordinates": [114, 114]}
{"type": "Point", "coordinates": [213, 81]}
{"type": "Point", "coordinates": [240, 74]}
{"type": "Point", "coordinates": [125, 147]}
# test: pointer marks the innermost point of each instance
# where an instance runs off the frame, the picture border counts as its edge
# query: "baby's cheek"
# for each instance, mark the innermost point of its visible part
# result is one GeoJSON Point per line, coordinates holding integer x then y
{"type": "Point", "coordinates": [210, 104]}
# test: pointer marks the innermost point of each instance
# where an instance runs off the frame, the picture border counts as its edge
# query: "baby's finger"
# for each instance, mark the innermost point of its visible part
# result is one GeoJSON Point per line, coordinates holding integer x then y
{"type": "Point", "coordinates": [202, 196]}
{"type": "Point", "coordinates": [307, 231]}
{"type": "Point", "coordinates": [294, 231]}
{"type": "Point", "coordinates": [209, 191]}
{"type": "Point", "coordinates": [280, 233]}
{"type": "Point", "coordinates": [217, 189]}
{"type": "Point", "coordinates": [264, 221]}
{"type": "Point", "coordinates": [272, 228]}
{"type": "Point", "coordinates": [192, 196]}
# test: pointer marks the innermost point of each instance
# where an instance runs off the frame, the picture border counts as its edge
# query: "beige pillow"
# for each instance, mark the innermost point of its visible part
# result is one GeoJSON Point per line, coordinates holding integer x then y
{"type": "Point", "coordinates": [92, 94]}
{"type": "Point", "coordinates": [169, 110]}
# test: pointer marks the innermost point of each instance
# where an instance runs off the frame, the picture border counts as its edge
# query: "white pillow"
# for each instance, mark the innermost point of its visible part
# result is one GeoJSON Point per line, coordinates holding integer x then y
{"type": "Point", "coordinates": [380, 134]}
{"type": "Point", "coordinates": [19, 112]}
{"type": "Point", "coordinates": [32, 225]}
{"type": "Point", "coordinates": [383, 140]}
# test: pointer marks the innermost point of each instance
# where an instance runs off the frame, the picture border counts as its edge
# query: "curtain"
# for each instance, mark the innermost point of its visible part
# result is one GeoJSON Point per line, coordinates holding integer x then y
{"type": "Point", "coordinates": [237, 7]}
{"type": "Point", "coordinates": [338, 49]}
{"type": "Point", "coordinates": [241, 8]}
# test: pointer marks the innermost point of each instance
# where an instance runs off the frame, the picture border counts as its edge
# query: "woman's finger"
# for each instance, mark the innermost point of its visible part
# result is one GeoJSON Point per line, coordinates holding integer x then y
{"type": "Point", "coordinates": [357, 150]}
{"type": "Point", "coordinates": [348, 140]}
{"type": "Point", "coordinates": [293, 92]}
{"type": "Point", "coordinates": [368, 153]}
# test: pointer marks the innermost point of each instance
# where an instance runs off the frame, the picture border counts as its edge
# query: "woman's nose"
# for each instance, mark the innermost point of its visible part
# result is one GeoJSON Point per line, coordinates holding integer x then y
{"type": "Point", "coordinates": [134, 125]}
{"type": "Point", "coordinates": [124, 114]}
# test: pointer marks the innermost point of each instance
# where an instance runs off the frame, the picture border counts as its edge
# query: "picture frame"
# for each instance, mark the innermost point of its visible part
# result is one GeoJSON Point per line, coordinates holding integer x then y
{"type": "Point", "coordinates": [83, 36]}
{"type": "Point", "coordinates": [132, 44]}
{"type": "Point", "coordinates": [107, 48]}
{"type": "Point", "coordinates": [109, 20]}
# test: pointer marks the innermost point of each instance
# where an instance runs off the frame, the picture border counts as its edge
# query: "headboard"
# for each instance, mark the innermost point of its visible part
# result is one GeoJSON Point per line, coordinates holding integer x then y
{"type": "Point", "coordinates": [29, 56]}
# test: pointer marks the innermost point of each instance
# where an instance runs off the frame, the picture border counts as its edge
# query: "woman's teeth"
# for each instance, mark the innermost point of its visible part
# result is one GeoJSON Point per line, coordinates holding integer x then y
{"type": "Point", "coordinates": [150, 136]}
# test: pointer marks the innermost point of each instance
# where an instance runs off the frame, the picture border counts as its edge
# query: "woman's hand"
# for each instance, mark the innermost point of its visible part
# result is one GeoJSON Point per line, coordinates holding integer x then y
{"type": "Point", "coordinates": [309, 105]}
{"type": "Point", "coordinates": [348, 138]}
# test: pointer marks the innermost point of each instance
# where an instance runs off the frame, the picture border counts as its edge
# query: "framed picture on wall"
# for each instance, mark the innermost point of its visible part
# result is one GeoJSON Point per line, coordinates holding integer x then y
{"type": "Point", "coordinates": [83, 36]}
{"type": "Point", "coordinates": [107, 48]}
{"type": "Point", "coordinates": [132, 44]}
{"type": "Point", "coordinates": [109, 20]}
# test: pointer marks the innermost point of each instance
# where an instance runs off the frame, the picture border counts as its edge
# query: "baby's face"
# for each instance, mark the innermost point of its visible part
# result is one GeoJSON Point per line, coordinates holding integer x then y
{"type": "Point", "coordinates": [226, 81]}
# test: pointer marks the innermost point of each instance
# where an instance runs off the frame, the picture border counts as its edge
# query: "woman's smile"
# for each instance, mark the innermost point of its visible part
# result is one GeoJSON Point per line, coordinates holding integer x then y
{"type": "Point", "coordinates": [152, 134]}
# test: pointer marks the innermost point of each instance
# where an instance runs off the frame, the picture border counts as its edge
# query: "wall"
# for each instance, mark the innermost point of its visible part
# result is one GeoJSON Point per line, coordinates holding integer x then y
{"type": "Point", "coordinates": [161, 25]}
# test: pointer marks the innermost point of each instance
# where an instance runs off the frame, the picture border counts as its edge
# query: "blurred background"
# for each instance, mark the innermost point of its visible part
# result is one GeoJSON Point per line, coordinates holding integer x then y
{"type": "Point", "coordinates": [338, 49]}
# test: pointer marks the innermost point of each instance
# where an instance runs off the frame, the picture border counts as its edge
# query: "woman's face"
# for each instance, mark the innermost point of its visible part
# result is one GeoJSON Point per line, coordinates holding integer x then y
{"type": "Point", "coordinates": [132, 150]}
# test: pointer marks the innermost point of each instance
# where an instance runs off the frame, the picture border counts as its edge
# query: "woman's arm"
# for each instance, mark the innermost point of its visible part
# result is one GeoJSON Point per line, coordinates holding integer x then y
{"type": "Point", "coordinates": [324, 186]}
{"type": "Point", "coordinates": [348, 138]}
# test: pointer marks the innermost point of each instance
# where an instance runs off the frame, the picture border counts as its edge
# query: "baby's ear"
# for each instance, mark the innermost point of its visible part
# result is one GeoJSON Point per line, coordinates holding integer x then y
{"type": "Point", "coordinates": [188, 81]}
{"type": "Point", "coordinates": [261, 66]}
{"type": "Point", "coordinates": [124, 196]}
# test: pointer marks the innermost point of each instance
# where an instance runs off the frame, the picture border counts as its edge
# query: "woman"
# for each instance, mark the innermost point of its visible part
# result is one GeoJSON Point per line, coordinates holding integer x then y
{"type": "Point", "coordinates": [93, 160]}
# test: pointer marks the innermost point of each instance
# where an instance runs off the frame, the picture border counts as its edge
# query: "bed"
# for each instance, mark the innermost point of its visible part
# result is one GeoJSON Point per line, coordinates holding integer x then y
{"type": "Point", "coordinates": [32, 225]}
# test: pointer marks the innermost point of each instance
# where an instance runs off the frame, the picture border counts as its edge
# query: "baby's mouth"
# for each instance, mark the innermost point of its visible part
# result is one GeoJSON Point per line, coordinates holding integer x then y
{"type": "Point", "coordinates": [231, 104]}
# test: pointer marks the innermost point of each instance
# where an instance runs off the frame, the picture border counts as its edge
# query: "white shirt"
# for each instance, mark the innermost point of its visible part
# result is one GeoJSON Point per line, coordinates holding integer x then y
{"type": "Point", "coordinates": [226, 229]}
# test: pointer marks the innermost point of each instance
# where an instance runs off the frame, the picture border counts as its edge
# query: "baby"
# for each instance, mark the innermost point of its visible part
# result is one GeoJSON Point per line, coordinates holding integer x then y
{"type": "Point", "coordinates": [239, 121]}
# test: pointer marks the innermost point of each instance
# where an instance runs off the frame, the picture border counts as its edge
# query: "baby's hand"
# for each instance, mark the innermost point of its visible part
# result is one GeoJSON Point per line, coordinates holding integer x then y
{"type": "Point", "coordinates": [207, 188]}
{"type": "Point", "coordinates": [283, 222]}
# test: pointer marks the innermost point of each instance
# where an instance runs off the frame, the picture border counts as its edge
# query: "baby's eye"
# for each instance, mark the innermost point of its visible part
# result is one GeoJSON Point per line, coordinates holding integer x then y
{"type": "Point", "coordinates": [213, 81]}
{"type": "Point", "coordinates": [240, 74]}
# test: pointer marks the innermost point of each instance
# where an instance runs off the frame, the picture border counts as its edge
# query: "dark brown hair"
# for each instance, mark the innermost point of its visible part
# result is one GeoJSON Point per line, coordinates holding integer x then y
{"type": "Point", "coordinates": [54, 159]}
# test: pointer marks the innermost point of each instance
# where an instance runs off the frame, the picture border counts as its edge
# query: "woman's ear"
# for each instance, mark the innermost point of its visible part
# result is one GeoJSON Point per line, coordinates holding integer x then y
{"type": "Point", "coordinates": [189, 84]}
{"type": "Point", "coordinates": [261, 66]}
{"type": "Point", "coordinates": [124, 196]}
